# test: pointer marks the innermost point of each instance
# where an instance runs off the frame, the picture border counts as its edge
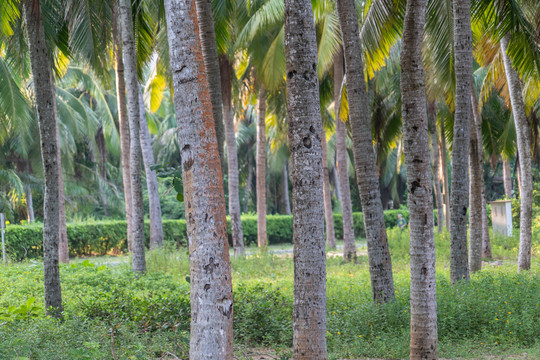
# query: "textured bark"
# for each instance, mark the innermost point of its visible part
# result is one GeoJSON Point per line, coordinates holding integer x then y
{"type": "Point", "coordinates": [459, 267]}
{"type": "Point", "coordinates": [154, 207]}
{"type": "Point", "coordinates": [29, 203]}
{"type": "Point", "coordinates": [380, 264]}
{"type": "Point", "coordinates": [424, 339]}
{"type": "Point", "coordinates": [211, 287]}
{"type": "Point", "coordinates": [349, 246]}
{"type": "Point", "coordinates": [102, 148]}
{"type": "Point", "coordinates": [227, 73]}
{"type": "Point", "coordinates": [507, 178]}
{"type": "Point", "coordinates": [475, 199]}
{"type": "Point", "coordinates": [444, 174]}
{"type": "Point", "coordinates": [261, 168]}
{"type": "Point", "coordinates": [123, 123]}
{"type": "Point", "coordinates": [432, 125]}
{"type": "Point", "coordinates": [63, 248]}
{"type": "Point", "coordinates": [486, 241]}
{"type": "Point", "coordinates": [211, 62]}
{"type": "Point", "coordinates": [28, 194]}
{"type": "Point", "coordinates": [249, 184]}
{"type": "Point", "coordinates": [46, 109]}
{"type": "Point", "coordinates": [477, 122]}
{"type": "Point", "coordinates": [523, 136]}
{"type": "Point", "coordinates": [305, 143]}
{"type": "Point", "coordinates": [336, 181]}
{"type": "Point", "coordinates": [327, 199]}
{"type": "Point", "coordinates": [133, 88]}
{"type": "Point", "coordinates": [285, 184]}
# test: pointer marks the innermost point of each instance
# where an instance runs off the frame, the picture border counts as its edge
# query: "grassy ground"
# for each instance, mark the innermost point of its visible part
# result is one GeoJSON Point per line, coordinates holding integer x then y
{"type": "Point", "coordinates": [147, 317]}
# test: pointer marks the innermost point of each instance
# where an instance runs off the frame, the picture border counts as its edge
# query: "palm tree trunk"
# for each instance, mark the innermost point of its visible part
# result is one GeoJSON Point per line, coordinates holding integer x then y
{"type": "Point", "coordinates": [486, 243]}
{"type": "Point", "coordinates": [211, 62]}
{"type": "Point", "coordinates": [507, 178]}
{"type": "Point", "coordinates": [100, 141]}
{"type": "Point", "coordinates": [523, 135]}
{"type": "Point", "coordinates": [123, 124]}
{"type": "Point", "coordinates": [261, 168]}
{"type": "Point", "coordinates": [154, 206]}
{"type": "Point", "coordinates": [336, 181]}
{"type": "Point", "coordinates": [459, 267]}
{"type": "Point", "coordinates": [211, 288]}
{"type": "Point", "coordinates": [285, 182]}
{"type": "Point", "coordinates": [232, 156]}
{"type": "Point", "coordinates": [424, 339]}
{"type": "Point", "coordinates": [46, 103]}
{"type": "Point", "coordinates": [475, 199]}
{"type": "Point", "coordinates": [349, 246]}
{"type": "Point", "coordinates": [305, 143]}
{"type": "Point", "coordinates": [132, 86]}
{"type": "Point", "coordinates": [29, 203]}
{"type": "Point", "coordinates": [432, 125]}
{"type": "Point", "coordinates": [443, 173]}
{"type": "Point", "coordinates": [63, 247]}
{"type": "Point", "coordinates": [327, 199]}
{"type": "Point", "coordinates": [380, 263]}
{"type": "Point", "coordinates": [249, 184]}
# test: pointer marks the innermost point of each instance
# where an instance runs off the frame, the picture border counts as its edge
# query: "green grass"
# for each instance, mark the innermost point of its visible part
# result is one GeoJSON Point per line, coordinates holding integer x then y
{"type": "Point", "coordinates": [498, 313]}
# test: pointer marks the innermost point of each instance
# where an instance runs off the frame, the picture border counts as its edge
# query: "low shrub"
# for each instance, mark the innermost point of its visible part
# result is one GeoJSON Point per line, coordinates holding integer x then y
{"type": "Point", "coordinates": [109, 237]}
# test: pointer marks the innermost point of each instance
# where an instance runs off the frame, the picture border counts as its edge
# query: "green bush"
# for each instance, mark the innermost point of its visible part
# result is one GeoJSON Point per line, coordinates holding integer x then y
{"type": "Point", "coordinates": [105, 237]}
{"type": "Point", "coordinates": [92, 238]}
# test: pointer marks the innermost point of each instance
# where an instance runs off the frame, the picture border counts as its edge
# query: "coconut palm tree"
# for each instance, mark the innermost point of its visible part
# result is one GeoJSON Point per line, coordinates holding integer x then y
{"type": "Point", "coordinates": [424, 339]}
{"type": "Point", "coordinates": [366, 171]}
{"type": "Point", "coordinates": [507, 23]}
{"type": "Point", "coordinates": [211, 287]}
{"type": "Point", "coordinates": [133, 88]}
{"type": "Point", "coordinates": [45, 103]}
{"type": "Point", "coordinates": [305, 128]}
{"type": "Point", "coordinates": [459, 267]}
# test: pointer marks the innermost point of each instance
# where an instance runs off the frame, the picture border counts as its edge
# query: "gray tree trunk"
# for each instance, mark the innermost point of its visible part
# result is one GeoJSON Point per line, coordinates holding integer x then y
{"type": "Point", "coordinates": [336, 181]}
{"type": "Point", "coordinates": [424, 339]}
{"type": "Point", "coordinates": [507, 178]}
{"type": "Point", "coordinates": [211, 62]}
{"type": "Point", "coordinates": [132, 87]}
{"type": "Point", "coordinates": [459, 267]}
{"type": "Point", "coordinates": [305, 143]}
{"type": "Point", "coordinates": [63, 247]}
{"type": "Point", "coordinates": [211, 287]}
{"type": "Point", "coordinates": [46, 104]}
{"type": "Point", "coordinates": [261, 168]}
{"type": "Point", "coordinates": [432, 125]}
{"type": "Point", "coordinates": [123, 124]}
{"type": "Point", "coordinates": [28, 193]}
{"type": "Point", "coordinates": [444, 174]}
{"type": "Point", "coordinates": [102, 148]}
{"type": "Point", "coordinates": [29, 203]}
{"type": "Point", "coordinates": [380, 263]}
{"type": "Point", "coordinates": [285, 182]}
{"type": "Point", "coordinates": [154, 206]}
{"type": "Point", "coordinates": [486, 241]}
{"type": "Point", "coordinates": [327, 199]}
{"type": "Point", "coordinates": [475, 199]}
{"type": "Point", "coordinates": [349, 246]}
{"type": "Point", "coordinates": [227, 73]}
{"type": "Point", "coordinates": [523, 135]}
{"type": "Point", "coordinates": [249, 184]}
{"type": "Point", "coordinates": [477, 117]}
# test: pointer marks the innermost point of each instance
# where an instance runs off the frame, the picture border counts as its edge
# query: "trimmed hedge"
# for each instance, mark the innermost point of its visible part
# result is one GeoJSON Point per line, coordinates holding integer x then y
{"type": "Point", "coordinates": [104, 237]}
